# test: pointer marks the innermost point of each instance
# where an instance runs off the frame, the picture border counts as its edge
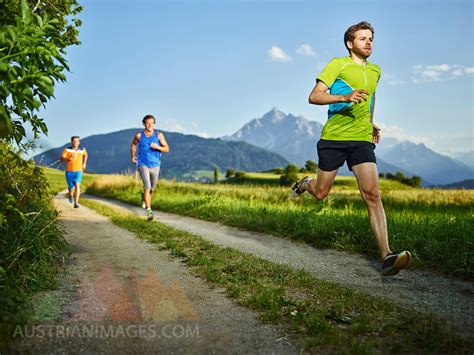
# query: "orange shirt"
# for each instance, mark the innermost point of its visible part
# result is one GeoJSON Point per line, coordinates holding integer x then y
{"type": "Point", "coordinates": [78, 157]}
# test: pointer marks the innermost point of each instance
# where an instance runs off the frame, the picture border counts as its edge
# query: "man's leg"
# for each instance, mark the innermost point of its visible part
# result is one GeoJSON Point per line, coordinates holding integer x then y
{"type": "Point", "coordinates": [154, 174]}
{"type": "Point", "coordinates": [147, 197]}
{"type": "Point", "coordinates": [320, 187]}
{"type": "Point", "coordinates": [71, 194]}
{"type": "Point", "coordinates": [77, 192]}
{"type": "Point", "coordinates": [368, 180]}
{"type": "Point", "coordinates": [145, 175]}
{"type": "Point", "coordinates": [70, 186]}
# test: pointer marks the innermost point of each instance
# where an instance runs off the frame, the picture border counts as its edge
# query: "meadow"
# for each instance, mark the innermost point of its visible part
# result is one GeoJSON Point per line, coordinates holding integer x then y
{"type": "Point", "coordinates": [436, 225]}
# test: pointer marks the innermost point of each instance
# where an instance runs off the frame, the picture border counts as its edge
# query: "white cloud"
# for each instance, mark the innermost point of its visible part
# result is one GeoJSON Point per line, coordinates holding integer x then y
{"type": "Point", "coordinates": [442, 143]}
{"type": "Point", "coordinates": [399, 133]}
{"type": "Point", "coordinates": [439, 72]}
{"type": "Point", "coordinates": [306, 50]}
{"type": "Point", "coordinates": [174, 126]}
{"type": "Point", "coordinates": [391, 79]}
{"type": "Point", "coordinates": [276, 54]}
{"type": "Point", "coordinates": [171, 125]}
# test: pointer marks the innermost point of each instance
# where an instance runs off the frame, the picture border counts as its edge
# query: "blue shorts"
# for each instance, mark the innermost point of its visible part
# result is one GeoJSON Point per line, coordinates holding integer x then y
{"type": "Point", "coordinates": [72, 177]}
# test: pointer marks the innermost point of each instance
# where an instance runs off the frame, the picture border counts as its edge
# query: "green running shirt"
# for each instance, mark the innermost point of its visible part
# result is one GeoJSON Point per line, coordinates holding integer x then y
{"type": "Point", "coordinates": [348, 121]}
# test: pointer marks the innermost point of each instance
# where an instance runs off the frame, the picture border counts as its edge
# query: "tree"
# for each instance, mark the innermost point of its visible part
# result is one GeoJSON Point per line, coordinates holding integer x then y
{"type": "Point", "coordinates": [229, 173]}
{"type": "Point", "coordinates": [290, 175]}
{"type": "Point", "coordinates": [311, 166]}
{"type": "Point", "coordinates": [216, 176]}
{"type": "Point", "coordinates": [32, 60]}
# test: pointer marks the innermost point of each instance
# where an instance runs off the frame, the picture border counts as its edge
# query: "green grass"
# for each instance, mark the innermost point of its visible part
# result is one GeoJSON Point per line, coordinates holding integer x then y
{"type": "Point", "coordinates": [323, 316]}
{"type": "Point", "coordinates": [437, 226]}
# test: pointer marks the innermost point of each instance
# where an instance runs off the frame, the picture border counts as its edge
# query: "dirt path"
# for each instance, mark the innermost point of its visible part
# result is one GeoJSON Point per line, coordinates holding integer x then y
{"type": "Point", "coordinates": [122, 295]}
{"type": "Point", "coordinates": [446, 298]}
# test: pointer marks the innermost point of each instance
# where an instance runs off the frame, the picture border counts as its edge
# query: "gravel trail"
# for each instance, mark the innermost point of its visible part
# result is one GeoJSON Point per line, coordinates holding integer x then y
{"type": "Point", "coordinates": [447, 298]}
{"type": "Point", "coordinates": [121, 295]}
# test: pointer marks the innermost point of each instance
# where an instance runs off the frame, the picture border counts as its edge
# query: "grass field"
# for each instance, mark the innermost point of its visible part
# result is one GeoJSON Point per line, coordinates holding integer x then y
{"type": "Point", "coordinates": [436, 225]}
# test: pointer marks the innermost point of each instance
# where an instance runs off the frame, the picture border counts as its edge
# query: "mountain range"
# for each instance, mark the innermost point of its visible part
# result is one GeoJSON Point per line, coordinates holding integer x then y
{"type": "Point", "coordinates": [264, 143]}
{"type": "Point", "coordinates": [295, 138]}
{"type": "Point", "coordinates": [110, 153]}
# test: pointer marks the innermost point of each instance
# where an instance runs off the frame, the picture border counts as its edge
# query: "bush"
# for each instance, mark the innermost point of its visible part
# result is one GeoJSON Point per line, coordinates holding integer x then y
{"type": "Point", "coordinates": [30, 242]}
{"type": "Point", "coordinates": [239, 175]}
{"type": "Point", "coordinates": [311, 166]}
{"type": "Point", "coordinates": [414, 181]}
{"type": "Point", "coordinates": [290, 176]}
{"type": "Point", "coordinates": [230, 172]}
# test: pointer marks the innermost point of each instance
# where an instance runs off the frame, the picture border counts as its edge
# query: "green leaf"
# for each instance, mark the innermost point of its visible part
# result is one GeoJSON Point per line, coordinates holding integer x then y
{"type": "Point", "coordinates": [40, 20]}
{"type": "Point", "coordinates": [11, 32]}
{"type": "Point", "coordinates": [25, 12]}
{"type": "Point", "coordinates": [3, 66]}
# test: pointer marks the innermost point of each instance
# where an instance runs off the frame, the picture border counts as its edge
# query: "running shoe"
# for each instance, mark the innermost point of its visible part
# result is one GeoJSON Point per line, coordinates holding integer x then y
{"type": "Point", "coordinates": [71, 199]}
{"type": "Point", "coordinates": [76, 205]}
{"type": "Point", "coordinates": [149, 215]}
{"type": "Point", "coordinates": [299, 187]}
{"type": "Point", "coordinates": [394, 262]}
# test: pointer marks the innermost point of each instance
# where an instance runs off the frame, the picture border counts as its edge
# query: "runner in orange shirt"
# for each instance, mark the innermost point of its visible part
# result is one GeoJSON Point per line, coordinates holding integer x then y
{"type": "Point", "coordinates": [76, 158]}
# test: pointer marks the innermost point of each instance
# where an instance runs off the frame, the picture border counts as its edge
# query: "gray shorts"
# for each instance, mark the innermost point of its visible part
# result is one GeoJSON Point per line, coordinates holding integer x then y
{"type": "Point", "coordinates": [149, 176]}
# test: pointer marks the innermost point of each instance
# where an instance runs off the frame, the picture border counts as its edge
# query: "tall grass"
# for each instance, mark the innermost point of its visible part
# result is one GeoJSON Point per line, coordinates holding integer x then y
{"type": "Point", "coordinates": [436, 225]}
{"type": "Point", "coordinates": [31, 245]}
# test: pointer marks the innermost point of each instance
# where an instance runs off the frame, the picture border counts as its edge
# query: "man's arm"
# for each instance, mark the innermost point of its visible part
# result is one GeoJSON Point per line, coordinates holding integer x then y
{"type": "Point", "coordinates": [84, 160]}
{"type": "Point", "coordinates": [64, 156]}
{"type": "Point", "coordinates": [376, 129]}
{"type": "Point", "coordinates": [133, 147]}
{"type": "Point", "coordinates": [319, 95]}
{"type": "Point", "coordinates": [164, 148]}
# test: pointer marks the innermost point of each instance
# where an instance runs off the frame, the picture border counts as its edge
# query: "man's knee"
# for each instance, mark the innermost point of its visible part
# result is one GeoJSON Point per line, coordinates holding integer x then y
{"type": "Point", "coordinates": [321, 194]}
{"type": "Point", "coordinates": [371, 196]}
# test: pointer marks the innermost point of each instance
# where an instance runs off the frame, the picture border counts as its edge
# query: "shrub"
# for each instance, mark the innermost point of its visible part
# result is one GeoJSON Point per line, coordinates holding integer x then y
{"type": "Point", "coordinates": [30, 242]}
{"type": "Point", "coordinates": [239, 175]}
{"type": "Point", "coordinates": [290, 175]}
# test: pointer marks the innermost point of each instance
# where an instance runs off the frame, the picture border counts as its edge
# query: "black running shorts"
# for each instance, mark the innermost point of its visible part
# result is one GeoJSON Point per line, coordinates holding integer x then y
{"type": "Point", "coordinates": [333, 154]}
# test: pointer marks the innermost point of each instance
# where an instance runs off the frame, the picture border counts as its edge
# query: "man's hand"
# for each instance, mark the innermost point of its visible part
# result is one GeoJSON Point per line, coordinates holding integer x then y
{"type": "Point", "coordinates": [375, 133]}
{"type": "Point", "coordinates": [70, 158]}
{"type": "Point", "coordinates": [356, 96]}
{"type": "Point", "coordinates": [154, 146]}
{"type": "Point", "coordinates": [83, 167]}
{"type": "Point", "coordinates": [134, 160]}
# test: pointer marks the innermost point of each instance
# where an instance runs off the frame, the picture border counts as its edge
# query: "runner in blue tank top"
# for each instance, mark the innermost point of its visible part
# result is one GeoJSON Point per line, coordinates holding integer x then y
{"type": "Point", "coordinates": [151, 143]}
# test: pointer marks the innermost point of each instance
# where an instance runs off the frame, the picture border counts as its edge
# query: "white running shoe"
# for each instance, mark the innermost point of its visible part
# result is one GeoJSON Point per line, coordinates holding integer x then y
{"type": "Point", "coordinates": [300, 187]}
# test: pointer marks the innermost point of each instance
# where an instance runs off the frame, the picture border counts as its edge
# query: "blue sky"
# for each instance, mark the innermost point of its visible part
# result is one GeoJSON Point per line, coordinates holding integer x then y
{"type": "Point", "coordinates": [208, 67]}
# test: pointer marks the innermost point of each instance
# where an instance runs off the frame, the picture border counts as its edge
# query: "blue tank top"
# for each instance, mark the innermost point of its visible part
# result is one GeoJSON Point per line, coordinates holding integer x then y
{"type": "Point", "coordinates": [148, 156]}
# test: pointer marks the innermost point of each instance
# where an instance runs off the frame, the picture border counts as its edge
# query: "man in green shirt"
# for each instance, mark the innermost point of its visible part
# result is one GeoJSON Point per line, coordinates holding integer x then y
{"type": "Point", "coordinates": [349, 134]}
